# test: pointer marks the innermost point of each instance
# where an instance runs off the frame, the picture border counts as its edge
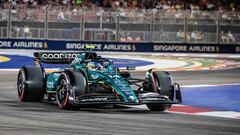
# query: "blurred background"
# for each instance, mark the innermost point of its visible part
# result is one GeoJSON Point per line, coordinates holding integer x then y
{"type": "Point", "coordinates": [202, 38]}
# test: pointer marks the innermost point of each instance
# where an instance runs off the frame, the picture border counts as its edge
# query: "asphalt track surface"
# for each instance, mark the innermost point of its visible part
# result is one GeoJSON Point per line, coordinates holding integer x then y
{"type": "Point", "coordinates": [40, 118]}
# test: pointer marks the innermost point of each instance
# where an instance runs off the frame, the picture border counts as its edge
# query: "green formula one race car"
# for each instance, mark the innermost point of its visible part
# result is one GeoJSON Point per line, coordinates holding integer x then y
{"type": "Point", "coordinates": [90, 80]}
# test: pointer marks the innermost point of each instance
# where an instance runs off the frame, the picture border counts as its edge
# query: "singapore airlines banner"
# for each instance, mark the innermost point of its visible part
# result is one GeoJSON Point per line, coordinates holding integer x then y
{"type": "Point", "coordinates": [118, 46]}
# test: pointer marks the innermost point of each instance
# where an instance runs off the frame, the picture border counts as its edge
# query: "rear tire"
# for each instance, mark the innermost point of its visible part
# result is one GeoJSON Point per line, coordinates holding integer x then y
{"type": "Point", "coordinates": [30, 84]}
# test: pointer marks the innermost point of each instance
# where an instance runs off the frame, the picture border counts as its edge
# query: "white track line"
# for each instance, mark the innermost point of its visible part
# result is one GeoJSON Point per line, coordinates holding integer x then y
{"type": "Point", "coordinates": [223, 114]}
{"type": "Point", "coordinates": [207, 85]}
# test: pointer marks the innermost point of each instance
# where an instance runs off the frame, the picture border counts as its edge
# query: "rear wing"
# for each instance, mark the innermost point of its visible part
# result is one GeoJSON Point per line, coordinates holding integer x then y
{"type": "Point", "coordinates": [61, 57]}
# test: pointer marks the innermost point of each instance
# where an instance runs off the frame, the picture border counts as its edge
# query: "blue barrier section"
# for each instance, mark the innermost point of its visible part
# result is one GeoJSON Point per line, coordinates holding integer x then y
{"type": "Point", "coordinates": [119, 46]}
{"type": "Point", "coordinates": [17, 61]}
{"type": "Point", "coordinates": [225, 97]}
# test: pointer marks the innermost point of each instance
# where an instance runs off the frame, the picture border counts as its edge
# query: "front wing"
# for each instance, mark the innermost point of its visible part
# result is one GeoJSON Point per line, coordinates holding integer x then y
{"type": "Point", "coordinates": [143, 98]}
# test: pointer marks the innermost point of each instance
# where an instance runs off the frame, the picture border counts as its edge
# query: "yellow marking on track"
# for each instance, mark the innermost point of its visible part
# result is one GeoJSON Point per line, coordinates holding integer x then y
{"type": "Point", "coordinates": [4, 59]}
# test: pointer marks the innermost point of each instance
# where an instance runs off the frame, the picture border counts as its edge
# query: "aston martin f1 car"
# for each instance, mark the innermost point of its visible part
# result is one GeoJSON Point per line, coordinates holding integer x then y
{"type": "Point", "coordinates": [89, 80]}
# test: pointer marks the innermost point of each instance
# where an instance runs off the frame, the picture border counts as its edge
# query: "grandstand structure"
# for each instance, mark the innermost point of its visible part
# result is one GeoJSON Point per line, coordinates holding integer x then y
{"type": "Point", "coordinates": [84, 23]}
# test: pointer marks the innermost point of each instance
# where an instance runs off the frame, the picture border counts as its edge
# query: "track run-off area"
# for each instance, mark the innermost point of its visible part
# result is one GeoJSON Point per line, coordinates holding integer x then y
{"type": "Point", "coordinates": [210, 91]}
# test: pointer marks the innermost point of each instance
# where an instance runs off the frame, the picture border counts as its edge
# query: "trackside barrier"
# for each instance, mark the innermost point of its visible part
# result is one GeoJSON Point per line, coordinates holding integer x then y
{"type": "Point", "coordinates": [118, 46]}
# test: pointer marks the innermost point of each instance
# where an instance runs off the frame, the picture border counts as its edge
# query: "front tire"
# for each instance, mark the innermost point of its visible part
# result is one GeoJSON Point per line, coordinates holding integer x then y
{"type": "Point", "coordinates": [160, 82]}
{"type": "Point", "coordinates": [71, 84]}
{"type": "Point", "coordinates": [63, 91]}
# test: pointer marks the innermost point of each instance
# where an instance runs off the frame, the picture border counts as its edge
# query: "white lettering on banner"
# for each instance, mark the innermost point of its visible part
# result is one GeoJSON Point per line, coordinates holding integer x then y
{"type": "Point", "coordinates": [74, 46]}
{"type": "Point", "coordinates": [237, 49]}
{"type": "Point", "coordinates": [176, 48]}
{"type": "Point", "coordinates": [184, 48]}
{"type": "Point", "coordinates": [82, 46]}
{"type": "Point", "coordinates": [5, 43]}
{"type": "Point", "coordinates": [202, 49]}
{"type": "Point", "coordinates": [117, 47]}
{"type": "Point", "coordinates": [19, 44]}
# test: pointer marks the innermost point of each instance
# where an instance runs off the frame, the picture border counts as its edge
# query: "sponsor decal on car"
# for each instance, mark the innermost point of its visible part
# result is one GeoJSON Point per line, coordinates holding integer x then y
{"type": "Point", "coordinates": [94, 99]}
{"type": "Point", "coordinates": [94, 76]}
{"type": "Point", "coordinates": [154, 98]}
{"type": "Point", "coordinates": [59, 55]}
{"type": "Point", "coordinates": [50, 85]}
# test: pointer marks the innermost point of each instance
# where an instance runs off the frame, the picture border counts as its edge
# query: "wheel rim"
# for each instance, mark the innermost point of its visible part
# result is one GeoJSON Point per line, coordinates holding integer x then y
{"type": "Point", "coordinates": [62, 93]}
{"type": "Point", "coordinates": [21, 86]}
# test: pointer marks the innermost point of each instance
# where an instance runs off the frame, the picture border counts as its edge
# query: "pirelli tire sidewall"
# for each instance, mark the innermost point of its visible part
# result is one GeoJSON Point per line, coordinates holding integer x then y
{"type": "Point", "coordinates": [31, 84]}
{"type": "Point", "coordinates": [163, 83]}
{"type": "Point", "coordinates": [160, 82]}
{"type": "Point", "coordinates": [63, 91]}
{"type": "Point", "coordinates": [75, 85]}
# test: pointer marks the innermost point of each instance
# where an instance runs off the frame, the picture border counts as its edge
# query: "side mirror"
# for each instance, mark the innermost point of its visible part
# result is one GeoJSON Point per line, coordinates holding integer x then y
{"type": "Point", "coordinates": [176, 86]}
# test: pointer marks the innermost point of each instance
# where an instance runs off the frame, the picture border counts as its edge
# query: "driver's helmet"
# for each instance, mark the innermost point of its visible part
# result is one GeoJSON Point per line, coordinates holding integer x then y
{"type": "Point", "coordinates": [94, 66]}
